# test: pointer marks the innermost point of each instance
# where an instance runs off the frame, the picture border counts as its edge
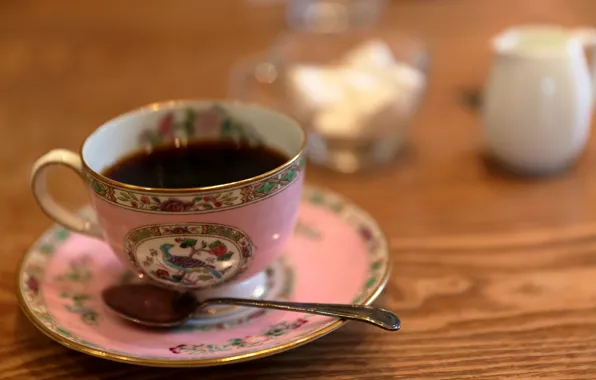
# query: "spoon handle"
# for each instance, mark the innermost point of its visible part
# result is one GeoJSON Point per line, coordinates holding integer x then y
{"type": "Point", "coordinates": [372, 315]}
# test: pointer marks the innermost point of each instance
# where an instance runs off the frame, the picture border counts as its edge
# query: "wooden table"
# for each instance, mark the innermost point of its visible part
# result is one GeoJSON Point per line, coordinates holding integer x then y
{"type": "Point", "coordinates": [493, 276]}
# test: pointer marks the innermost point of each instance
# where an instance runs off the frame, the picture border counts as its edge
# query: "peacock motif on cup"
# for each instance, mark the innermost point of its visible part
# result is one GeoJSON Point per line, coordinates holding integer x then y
{"type": "Point", "coordinates": [193, 256]}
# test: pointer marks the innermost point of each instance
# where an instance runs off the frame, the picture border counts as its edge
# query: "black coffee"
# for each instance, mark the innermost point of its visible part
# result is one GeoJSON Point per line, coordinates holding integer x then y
{"type": "Point", "coordinates": [198, 164]}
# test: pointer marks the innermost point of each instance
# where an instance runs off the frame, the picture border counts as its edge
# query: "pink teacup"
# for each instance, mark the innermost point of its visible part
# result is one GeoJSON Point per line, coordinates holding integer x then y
{"type": "Point", "coordinates": [187, 239]}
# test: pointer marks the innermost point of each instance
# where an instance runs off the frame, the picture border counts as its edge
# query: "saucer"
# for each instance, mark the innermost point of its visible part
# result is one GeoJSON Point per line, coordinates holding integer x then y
{"type": "Point", "coordinates": [337, 254]}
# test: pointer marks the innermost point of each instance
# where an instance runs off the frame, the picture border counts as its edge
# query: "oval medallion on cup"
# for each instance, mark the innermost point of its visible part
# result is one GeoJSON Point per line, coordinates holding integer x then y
{"type": "Point", "coordinates": [191, 255]}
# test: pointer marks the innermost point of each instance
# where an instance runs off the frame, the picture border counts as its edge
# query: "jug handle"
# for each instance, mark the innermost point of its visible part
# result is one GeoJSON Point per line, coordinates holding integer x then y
{"type": "Point", "coordinates": [587, 37]}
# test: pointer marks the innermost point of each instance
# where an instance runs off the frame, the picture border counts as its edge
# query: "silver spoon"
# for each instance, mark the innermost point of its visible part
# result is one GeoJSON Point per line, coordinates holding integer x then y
{"type": "Point", "coordinates": [153, 306]}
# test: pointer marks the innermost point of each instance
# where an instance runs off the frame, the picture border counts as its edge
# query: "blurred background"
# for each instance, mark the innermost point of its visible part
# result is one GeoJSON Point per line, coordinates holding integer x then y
{"type": "Point", "coordinates": [68, 66]}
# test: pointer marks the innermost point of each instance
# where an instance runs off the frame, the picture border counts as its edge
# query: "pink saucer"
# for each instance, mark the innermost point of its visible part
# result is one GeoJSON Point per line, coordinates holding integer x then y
{"type": "Point", "coordinates": [338, 254]}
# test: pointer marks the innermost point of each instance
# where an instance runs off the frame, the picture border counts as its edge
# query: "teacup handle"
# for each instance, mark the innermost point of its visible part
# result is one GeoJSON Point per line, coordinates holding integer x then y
{"type": "Point", "coordinates": [45, 200]}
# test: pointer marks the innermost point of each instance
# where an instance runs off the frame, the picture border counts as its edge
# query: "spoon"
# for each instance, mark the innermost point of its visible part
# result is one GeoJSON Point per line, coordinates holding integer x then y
{"type": "Point", "coordinates": [153, 306]}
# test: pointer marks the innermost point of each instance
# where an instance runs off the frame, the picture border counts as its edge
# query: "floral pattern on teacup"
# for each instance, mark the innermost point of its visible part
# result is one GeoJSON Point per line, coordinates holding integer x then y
{"type": "Point", "coordinates": [192, 255]}
{"type": "Point", "coordinates": [186, 124]}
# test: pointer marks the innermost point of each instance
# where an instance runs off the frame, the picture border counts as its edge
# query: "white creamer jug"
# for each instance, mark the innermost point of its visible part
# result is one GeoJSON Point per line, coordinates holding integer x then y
{"type": "Point", "coordinates": [539, 96]}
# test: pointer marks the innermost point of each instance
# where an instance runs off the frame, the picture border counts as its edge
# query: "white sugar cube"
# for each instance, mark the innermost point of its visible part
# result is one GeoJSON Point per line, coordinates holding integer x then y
{"type": "Point", "coordinates": [364, 106]}
{"type": "Point", "coordinates": [409, 83]}
{"type": "Point", "coordinates": [371, 54]}
{"type": "Point", "coordinates": [336, 121]}
{"type": "Point", "coordinates": [311, 88]}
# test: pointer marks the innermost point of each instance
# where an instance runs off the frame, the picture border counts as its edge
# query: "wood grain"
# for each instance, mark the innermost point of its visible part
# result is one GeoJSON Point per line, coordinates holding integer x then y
{"type": "Point", "coordinates": [493, 275]}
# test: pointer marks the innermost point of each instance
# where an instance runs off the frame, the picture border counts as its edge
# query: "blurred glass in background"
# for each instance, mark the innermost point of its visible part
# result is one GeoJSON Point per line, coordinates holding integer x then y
{"type": "Point", "coordinates": [353, 85]}
{"type": "Point", "coordinates": [332, 15]}
{"type": "Point", "coordinates": [355, 91]}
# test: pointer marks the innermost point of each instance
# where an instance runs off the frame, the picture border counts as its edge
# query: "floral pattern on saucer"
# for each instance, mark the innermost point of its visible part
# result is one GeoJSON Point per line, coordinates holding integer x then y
{"type": "Point", "coordinates": [73, 284]}
{"type": "Point", "coordinates": [74, 315]}
{"type": "Point", "coordinates": [248, 341]}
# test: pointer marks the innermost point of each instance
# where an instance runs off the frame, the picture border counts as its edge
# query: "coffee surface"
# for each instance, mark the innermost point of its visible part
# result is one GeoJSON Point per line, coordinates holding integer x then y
{"type": "Point", "coordinates": [198, 164]}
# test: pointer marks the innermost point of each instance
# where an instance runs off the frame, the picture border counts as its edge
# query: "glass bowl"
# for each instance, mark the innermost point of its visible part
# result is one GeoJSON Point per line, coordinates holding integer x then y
{"type": "Point", "coordinates": [354, 92]}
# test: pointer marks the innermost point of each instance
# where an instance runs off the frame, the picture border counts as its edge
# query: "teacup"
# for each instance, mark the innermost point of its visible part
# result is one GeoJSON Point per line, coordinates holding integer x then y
{"type": "Point", "coordinates": [189, 239]}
